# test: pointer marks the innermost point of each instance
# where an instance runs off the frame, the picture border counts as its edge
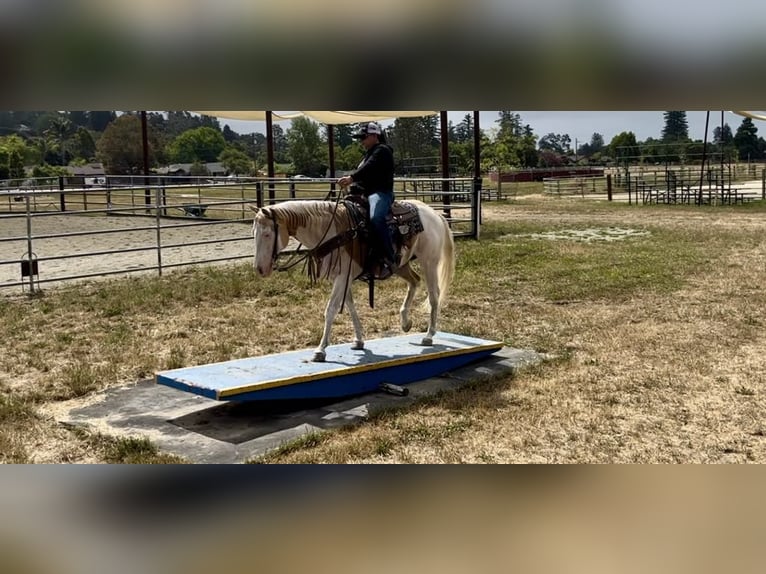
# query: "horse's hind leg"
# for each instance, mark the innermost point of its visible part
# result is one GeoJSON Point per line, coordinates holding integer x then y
{"type": "Point", "coordinates": [407, 273]}
{"type": "Point", "coordinates": [432, 282]}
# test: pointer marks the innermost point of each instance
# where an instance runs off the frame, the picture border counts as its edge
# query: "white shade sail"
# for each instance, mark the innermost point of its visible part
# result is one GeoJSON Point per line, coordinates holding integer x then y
{"type": "Point", "coordinates": [328, 117]}
{"type": "Point", "coordinates": [752, 115]}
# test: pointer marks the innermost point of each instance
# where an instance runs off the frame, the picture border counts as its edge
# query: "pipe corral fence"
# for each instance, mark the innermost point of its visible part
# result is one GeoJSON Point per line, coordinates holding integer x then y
{"type": "Point", "coordinates": [54, 231]}
{"type": "Point", "coordinates": [688, 185]}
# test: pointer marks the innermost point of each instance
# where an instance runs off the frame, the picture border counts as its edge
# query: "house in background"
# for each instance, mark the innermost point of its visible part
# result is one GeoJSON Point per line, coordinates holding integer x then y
{"type": "Point", "coordinates": [86, 175]}
{"type": "Point", "coordinates": [214, 168]}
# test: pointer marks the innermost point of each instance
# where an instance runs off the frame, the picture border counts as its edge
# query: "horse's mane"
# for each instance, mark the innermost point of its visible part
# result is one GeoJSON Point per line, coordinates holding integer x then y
{"type": "Point", "coordinates": [295, 214]}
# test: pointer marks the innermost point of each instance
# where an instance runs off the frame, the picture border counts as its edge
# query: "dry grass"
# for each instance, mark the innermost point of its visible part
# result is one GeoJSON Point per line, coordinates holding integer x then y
{"type": "Point", "coordinates": [659, 338]}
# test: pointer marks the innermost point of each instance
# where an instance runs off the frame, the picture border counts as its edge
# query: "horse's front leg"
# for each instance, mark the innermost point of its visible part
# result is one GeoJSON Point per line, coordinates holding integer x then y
{"type": "Point", "coordinates": [339, 288]}
{"type": "Point", "coordinates": [358, 332]}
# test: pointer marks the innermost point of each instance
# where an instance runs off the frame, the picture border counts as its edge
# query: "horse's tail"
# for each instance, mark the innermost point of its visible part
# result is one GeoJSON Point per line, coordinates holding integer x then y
{"type": "Point", "coordinates": [446, 261]}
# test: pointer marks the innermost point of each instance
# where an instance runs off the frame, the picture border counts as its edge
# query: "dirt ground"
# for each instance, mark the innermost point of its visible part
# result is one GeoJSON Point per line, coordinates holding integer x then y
{"type": "Point", "coordinates": [653, 377]}
{"type": "Point", "coordinates": [225, 240]}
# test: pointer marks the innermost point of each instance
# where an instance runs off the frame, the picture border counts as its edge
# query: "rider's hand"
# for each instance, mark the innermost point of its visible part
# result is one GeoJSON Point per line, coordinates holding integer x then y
{"type": "Point", "coordinates": [345, 181]}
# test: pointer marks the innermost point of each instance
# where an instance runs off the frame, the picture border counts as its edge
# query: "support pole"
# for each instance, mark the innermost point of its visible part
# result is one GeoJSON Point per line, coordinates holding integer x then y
{"type": "Point", "coordinates": [270, 154]}
{"type": "Point", "coordinates": [445, 163]}
{"type": "Point", "coordinates": [145, 151]}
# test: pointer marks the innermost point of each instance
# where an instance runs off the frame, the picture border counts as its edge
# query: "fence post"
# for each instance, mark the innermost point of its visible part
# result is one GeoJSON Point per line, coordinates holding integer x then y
{"type": "Point", "coordinates": [259, 194]}
{"type": "Point", "coordinates": [476, 214]}
{"type": "Point", "coordinates": [62, 195]}
{"type": "Point", "coordinates": [609, 187]}
{"type": "Point", "coordinates": [158, 229]}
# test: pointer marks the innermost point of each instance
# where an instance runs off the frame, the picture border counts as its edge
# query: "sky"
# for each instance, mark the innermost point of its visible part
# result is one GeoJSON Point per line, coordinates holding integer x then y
{"type": "Point", "coordinates": [579, 125]}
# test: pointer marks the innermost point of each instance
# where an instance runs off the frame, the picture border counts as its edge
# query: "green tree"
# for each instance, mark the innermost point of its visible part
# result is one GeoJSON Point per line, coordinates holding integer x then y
{"type": "Point", "coordinates": [13, 153]}
{"type": "Point", "coordinates": [120, 146]}
{"type": "Point", "coordinates": [305, 147]}
{"type": "Point", "coordinates": [60, 128]}
{"type": "Point", "coordinates": [624, 147]}
{"type": "Point", "coordinates": [560, 144]}
{"type": "Point", "coordinates": [99, 120]}
{"type": "Point", "coordinates": [281, 146]}
{"type": "Point", "coordinates": [464, 130]}
{"type": "Point", "coordinates": [676, 127]}
{"type": "Point", "coordinates": [675, 135]}
{"type": "Point", "coordinates": [342, 135]}
{"type": "Point", "coordinates": [746, 140]}
{"type": "Point", "coordinates": [82, 145]}
{"type": "Point", "coordinates": [349, 157]}
{"type": "Point", "coordinates": [236, 162]}
{"type": "Point", "coordinates": [203, 144]}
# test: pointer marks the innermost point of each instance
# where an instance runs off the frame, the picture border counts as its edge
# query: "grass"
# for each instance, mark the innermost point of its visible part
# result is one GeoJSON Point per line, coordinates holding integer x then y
{"type": "Point", "coordinates": [658, 339]}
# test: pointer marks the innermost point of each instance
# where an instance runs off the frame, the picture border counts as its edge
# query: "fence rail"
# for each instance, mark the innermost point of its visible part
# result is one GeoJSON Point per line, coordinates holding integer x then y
{"type": "Point", "coordinates": [55, 234]}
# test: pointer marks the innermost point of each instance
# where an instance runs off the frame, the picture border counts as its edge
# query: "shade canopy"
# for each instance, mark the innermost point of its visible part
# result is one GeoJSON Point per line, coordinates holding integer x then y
{"type": "Point", "coordinates": [752, 115]}
{"type": "Point", "coordinates": [328, 118]}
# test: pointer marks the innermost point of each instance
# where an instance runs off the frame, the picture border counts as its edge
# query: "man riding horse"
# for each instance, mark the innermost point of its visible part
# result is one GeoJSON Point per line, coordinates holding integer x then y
{"type": "Point", "coordinates": [374, 178]}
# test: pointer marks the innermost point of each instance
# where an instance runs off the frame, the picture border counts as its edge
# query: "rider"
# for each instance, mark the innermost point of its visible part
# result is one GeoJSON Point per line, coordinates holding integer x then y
{"type": "Point", "coordinates": [375, 177]}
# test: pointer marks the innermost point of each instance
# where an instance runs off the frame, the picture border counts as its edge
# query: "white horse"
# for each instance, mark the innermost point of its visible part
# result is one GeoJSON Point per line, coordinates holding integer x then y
{"type": "Point", "coordinates": [313, 223]}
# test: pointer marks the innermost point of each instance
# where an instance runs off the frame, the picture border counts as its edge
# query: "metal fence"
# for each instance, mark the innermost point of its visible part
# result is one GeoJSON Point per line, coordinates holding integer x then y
{"type": "Point", "coordinates": [53, 232]}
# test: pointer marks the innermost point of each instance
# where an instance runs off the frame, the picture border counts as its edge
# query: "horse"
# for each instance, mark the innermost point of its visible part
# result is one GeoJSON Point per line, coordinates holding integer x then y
{"type": "Point", "coordinates": [315, 223]}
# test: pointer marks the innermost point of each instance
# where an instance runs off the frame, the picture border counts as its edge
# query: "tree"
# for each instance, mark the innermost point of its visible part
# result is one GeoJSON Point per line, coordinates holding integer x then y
{"type": "Point", "coordinates": [416, 144]}
{"type": "Point", "coordinates": [13, 153]}
{"type": "Point", "coordinates": [342, 135]}
{"type": "Point", "coordinates": [305, 147]}
{"type": "Point", "coordinates": [120, 146]}
{"type": "Point", "coordinates": [60, 128]}
{"type": "Point", "coordinates": [82, 145]}
{"type": "Point", "coordinates": [596, 144]}
{"type": "Point", "coordinates": [203, 144]}
{"type": "Point", "coordinates": [349, 157]}
{"type": "Point", "coordinates": [624, 147]}
{"type": "Point", "coordinates": [676, 127]}
{"type": "Point", "coordinates": [515, 143]}
{"type": "Point", "coordinates": [561, 144]}
{"type": "Point", "coordinates": [236, 162]}
{"type": "Point", "coordinates": [99, 120]}
{"type": "Point", "coordinates": [746, 140]}
{"type": "Point", "coordinates": [281, 146]}
{"type": "Point", "coordinates": [464, 130]}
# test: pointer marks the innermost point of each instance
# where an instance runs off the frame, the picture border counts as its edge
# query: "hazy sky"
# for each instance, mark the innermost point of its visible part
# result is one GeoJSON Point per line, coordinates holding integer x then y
{"type": "Point", "coordinates": [580, 125]}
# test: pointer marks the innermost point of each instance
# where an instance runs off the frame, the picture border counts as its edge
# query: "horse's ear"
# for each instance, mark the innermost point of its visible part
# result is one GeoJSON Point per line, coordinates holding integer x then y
{"type": "Point", "coordinates": [255, 208]}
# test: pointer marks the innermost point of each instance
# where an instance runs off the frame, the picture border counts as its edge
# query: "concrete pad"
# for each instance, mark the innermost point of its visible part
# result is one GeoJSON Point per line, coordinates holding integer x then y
{"type": "Point", "coordinates": [202, 430]}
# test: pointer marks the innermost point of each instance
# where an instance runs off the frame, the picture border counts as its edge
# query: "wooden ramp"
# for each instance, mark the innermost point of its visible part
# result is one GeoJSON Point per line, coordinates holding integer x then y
{"type": "Point", "coordinates": [396, 360]}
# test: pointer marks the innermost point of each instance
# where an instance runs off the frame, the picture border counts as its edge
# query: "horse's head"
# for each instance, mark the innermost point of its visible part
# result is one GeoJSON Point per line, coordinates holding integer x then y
{"type": "Point", "coordinates": [270, 238]}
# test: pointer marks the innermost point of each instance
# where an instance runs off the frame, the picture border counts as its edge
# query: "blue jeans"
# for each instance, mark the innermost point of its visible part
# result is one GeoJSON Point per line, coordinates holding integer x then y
{"type": "Point", "coordinates": [380, 205]}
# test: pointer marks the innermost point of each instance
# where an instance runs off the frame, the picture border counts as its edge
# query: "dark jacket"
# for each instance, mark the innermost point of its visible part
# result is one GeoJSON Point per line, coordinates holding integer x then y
{"type": "Point", "coordinates": [376, 171]}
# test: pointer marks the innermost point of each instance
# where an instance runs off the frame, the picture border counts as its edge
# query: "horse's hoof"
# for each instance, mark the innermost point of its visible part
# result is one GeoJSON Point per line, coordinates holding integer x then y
{"type": "Point", "coordinates": [407, 326]}
{"type": "Point", "coordinates": [319, 356]}
{"type": "Point", "coordinates": [358, 345]}
{"type": "Point", "coordinates": [427, 341]}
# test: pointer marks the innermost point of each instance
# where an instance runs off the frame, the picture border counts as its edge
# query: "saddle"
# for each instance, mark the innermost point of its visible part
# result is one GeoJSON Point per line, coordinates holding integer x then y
{"type": "Point", "coordinates": [403, 221]}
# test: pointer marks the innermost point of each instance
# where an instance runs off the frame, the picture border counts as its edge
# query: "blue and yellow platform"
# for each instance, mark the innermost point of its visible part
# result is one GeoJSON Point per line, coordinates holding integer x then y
{"type": "Point", "coordinates": [347, 372]}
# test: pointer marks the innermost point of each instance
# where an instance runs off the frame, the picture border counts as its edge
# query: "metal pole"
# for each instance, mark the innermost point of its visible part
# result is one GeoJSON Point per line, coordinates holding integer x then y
{"type": "Point", "coordinates": [445, 163]}
{"type": "Point", "coordinates": [704, 153]}
{"type": "Point", "coordinates": [158, 221]}
{"type": "Point", "coordinates": [270, 154]}
{"type": "Point", "coordinates": [331, 156]}
{"type": "Point", "coordinates": [145, 148]}
{"type": "Point", "coordinates": [30, 255]}
{"type": "Point", "coordinates": [477, 181]}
